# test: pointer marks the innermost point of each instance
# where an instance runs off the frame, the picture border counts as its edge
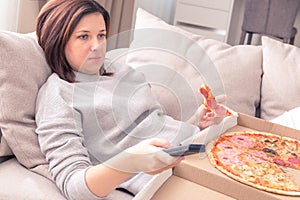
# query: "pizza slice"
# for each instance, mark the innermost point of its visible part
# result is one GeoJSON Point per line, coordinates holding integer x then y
{"type": "Point", "coordinates": [266, 176]}
{"type": "Point", "coordinates": [211, 103]}
{"type": "Point", "coordinates": [284, 151]}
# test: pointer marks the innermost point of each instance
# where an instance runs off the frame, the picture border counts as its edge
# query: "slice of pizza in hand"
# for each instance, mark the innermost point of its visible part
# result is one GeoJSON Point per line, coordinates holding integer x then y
{"type": "Point", "coordinates": [211, 103]}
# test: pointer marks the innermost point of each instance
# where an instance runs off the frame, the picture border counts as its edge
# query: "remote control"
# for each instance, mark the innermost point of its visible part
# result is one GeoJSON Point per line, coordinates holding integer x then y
{"type": "Point", "coordinates": [185, 150]}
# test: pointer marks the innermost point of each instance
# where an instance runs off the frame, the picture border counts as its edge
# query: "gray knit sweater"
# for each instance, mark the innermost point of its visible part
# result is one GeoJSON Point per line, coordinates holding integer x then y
{"type": "Point", "coordinates": [85, 123]}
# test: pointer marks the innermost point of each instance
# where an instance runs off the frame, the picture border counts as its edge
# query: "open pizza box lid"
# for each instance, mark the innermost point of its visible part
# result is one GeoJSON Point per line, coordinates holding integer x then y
{"type": "Point", "coordinates": [196, 178]}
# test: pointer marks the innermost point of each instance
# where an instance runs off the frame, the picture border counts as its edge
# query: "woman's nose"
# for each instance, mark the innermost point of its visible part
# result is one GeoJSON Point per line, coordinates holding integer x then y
{"type": "Point", "coordinates": [94, 44]}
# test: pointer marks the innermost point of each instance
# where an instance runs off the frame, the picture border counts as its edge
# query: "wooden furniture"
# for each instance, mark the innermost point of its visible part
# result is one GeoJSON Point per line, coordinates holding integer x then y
{"type": "Point", "coordinates": [270, 17]}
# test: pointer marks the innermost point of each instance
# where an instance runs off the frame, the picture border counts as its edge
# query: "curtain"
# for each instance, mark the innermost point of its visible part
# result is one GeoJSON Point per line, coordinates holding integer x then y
{"type": "Point", "coordinates": [121, 14]}
{"type": "Point", "coordinates": [28, 11]}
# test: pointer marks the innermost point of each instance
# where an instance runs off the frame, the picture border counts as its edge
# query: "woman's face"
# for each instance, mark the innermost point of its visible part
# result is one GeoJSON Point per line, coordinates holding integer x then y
{"type": "Point", "coordinates": [86, 48]}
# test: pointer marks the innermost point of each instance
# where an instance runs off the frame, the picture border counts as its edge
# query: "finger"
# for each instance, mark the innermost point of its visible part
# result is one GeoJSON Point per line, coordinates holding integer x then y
{"type": "Point", "coordinates": [159, 142]}
{"type": "Point", "coordinates": [201, 111]}
{"type": "Point", "coordinates": [164, 157]}
{"type": "Point", "coordinates": [174, 164]}
{"type": "Point", "coordinates": [158, 171]}
{"type": "Point", "coordinates": [217, 120]}
{"type": "Point", "coordinates": [209, 115]}
{"type": "Point", "coordinates": [221, 98]}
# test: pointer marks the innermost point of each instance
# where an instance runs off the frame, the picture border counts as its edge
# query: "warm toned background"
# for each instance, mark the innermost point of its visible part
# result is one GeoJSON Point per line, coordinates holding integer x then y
{"type": "Point", "coordinates": [20, 15]}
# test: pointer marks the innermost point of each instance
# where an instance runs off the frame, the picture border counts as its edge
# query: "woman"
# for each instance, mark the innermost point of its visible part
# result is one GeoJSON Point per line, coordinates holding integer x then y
{"type": "Point", "coordinates": [99, 126]}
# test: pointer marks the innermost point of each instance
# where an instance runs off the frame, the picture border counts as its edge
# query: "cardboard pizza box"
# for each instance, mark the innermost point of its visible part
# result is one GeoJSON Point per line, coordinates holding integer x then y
{"type": "Point", "coordinates": [168, 186]}
{"type": "Point", "coordinates": [196, 178]}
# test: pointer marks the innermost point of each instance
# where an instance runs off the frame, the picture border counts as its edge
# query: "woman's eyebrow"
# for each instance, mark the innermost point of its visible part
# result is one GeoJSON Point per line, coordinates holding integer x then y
{"type": "Point", "coordinates": [86, 31]}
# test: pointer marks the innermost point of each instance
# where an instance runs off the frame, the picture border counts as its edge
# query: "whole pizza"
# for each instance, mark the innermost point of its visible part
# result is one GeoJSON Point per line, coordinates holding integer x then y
{"type": "Point", "coordinates": [263, 160]}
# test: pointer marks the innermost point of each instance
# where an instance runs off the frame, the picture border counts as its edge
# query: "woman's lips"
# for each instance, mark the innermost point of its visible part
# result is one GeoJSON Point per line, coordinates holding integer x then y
{"type": "Point", "coordinates": [95, 58]}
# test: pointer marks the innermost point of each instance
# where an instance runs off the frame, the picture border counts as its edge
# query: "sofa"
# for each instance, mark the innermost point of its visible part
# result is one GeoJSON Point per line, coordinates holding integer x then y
{"type": "Point", "coordinates": [260, 81]}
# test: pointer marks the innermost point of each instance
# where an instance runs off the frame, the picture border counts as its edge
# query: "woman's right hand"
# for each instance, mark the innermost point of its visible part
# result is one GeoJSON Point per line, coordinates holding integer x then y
{"type": "Point", "coordinates": [146, 156]}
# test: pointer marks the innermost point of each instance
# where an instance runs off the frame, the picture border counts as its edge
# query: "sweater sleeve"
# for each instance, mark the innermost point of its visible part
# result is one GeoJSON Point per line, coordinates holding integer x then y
{"type": "Point", "coordinates": [61, 141]}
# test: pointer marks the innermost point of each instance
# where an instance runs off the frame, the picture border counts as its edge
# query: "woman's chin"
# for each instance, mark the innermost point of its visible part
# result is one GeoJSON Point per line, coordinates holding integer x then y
{"type": "Point", "coordinates": [92, 68]}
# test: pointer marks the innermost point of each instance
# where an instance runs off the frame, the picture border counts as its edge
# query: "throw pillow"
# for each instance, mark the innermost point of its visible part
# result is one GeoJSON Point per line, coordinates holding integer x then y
{"type": "Point", "coordinates": [5, 151]}
{"type": "Point", "coordinates": [289, 118]}
{"type": "Point", "coordinates": [177, 62]}
{"type": "Point", "coordinates": [280, 83]}
{"type": "Point", "coordinates": [23, 69]}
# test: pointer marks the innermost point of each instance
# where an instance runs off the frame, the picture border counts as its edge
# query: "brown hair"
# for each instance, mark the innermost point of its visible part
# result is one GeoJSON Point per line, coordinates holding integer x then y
{"type": "Point", "coordinates": [55, 24]}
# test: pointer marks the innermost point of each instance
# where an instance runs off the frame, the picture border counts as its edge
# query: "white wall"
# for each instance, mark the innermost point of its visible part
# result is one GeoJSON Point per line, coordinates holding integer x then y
{"type": "Point", "coordinates": [9, 15]}
{"type": "Point", "coordinates": [18, 15]}
{"type": "Point", "coordinates": [165, 9]}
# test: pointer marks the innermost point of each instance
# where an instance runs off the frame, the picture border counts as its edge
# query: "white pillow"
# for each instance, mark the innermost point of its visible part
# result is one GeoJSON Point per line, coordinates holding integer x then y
{"type": "Point", "coordinates": [289, 118]}
{"type": "Point", "coordinates": [280, 83]}
{"type": "Point", "coordinates": [177, 62]}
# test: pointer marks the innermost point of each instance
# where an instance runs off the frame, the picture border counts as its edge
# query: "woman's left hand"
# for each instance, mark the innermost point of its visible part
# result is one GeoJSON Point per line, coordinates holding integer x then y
{"type": "Point", "coordinates": [204, 118]}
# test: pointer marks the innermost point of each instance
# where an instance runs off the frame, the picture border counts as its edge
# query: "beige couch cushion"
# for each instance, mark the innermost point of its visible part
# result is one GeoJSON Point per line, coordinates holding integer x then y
{"type": "Point", "coordinates": [280, 83]}
{"type": "Point", "coordinates": [176, 62]}
{"type": "Point", "coordinates": [23, 70]}
{"type": "Point", "coordinates": [5, 151]}
{"type": "Point", "coordinates": [16, 182]}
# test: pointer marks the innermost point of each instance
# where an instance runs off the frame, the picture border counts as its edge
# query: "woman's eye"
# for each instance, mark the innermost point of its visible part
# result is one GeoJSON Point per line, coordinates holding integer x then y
{"type": "Point", "coordinates": [83, 37]}
{"type": "Point", "coordinates": [101, 35]}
